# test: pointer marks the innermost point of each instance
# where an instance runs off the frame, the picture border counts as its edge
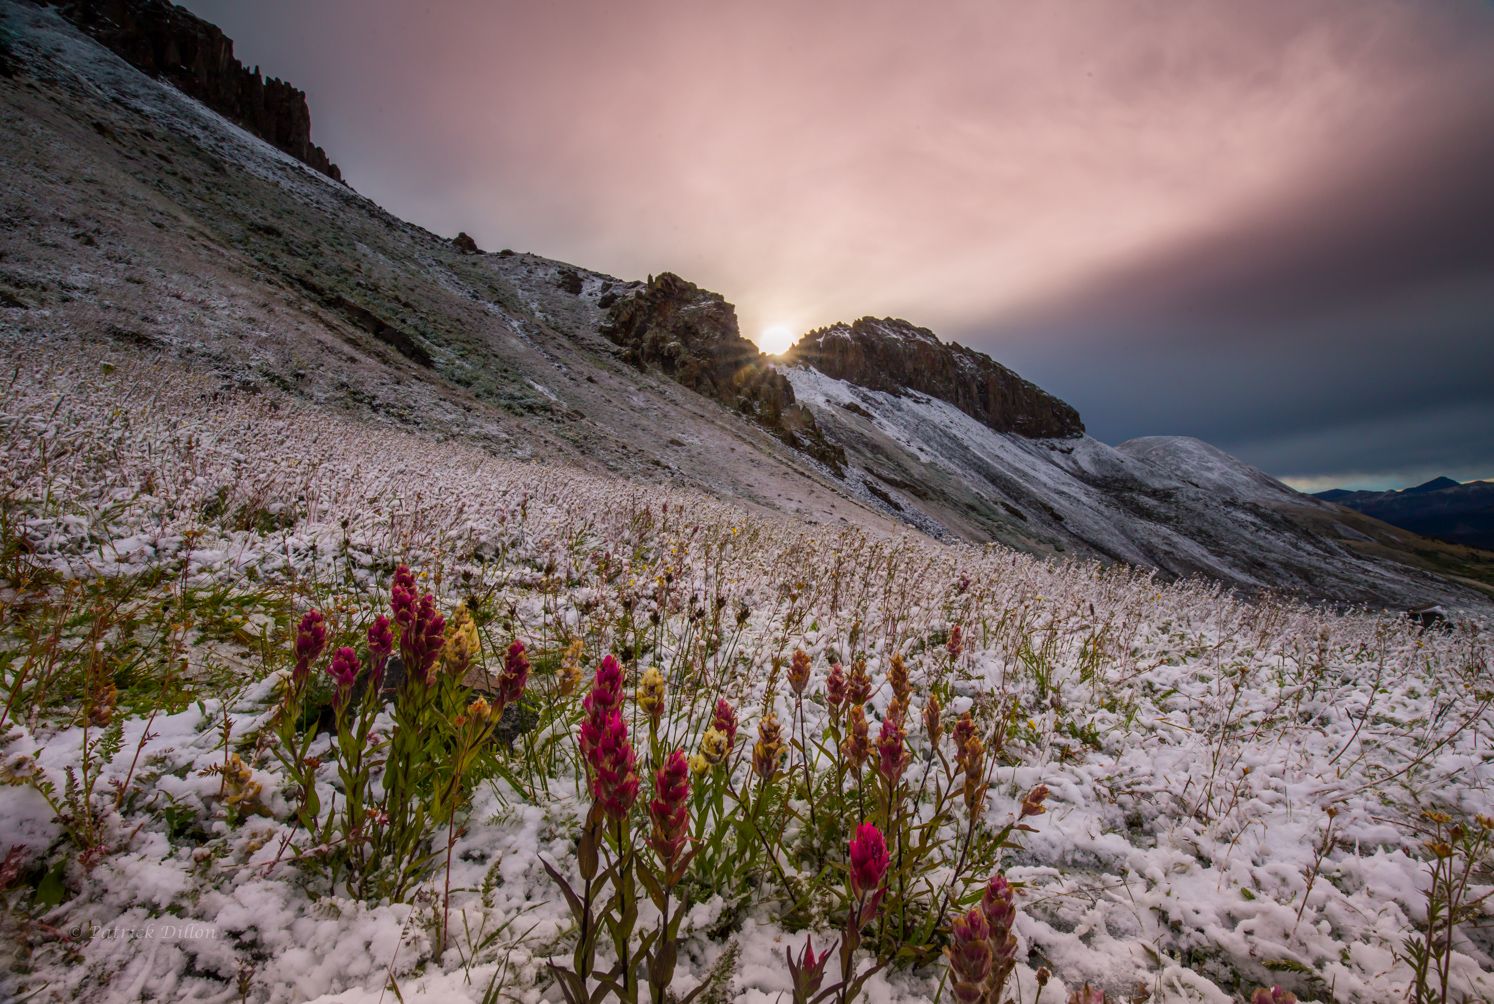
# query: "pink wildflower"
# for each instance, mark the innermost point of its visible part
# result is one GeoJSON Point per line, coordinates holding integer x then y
{"type": "Point", "coordinates": [892, 753]}
{"type": "Point", "coordinates": [669, 811]}
{"type": "Point", "coordinates": [614, 775]}
{"type": "Point", "coordinates": [835, 688]}
{"type": "Point", "coordinates": [969, 956]}
{"type": "Point", "coordinates": [311, 641]}
{"type": "Point", "coordinates": [869, 860]}
{"type": "Point", "coordinates": [344, 670]}
{"type": "Point", "coordinates": [515, 674]}
{"type": "Point", "coordinates": [725, 722]}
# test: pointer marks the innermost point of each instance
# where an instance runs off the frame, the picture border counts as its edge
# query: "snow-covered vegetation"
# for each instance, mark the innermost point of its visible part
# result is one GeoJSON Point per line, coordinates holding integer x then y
{"type": "Point", "coordinates": [1190, 796]}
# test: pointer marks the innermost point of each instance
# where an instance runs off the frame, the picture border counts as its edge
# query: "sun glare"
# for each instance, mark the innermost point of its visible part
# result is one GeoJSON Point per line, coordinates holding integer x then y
{"type": "Point", "coordinates": [776, 340]}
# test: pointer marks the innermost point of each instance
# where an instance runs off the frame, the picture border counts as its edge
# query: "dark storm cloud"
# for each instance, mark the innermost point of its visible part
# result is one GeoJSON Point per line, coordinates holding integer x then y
{"type": "Point", "coordinates": [1344, 330]}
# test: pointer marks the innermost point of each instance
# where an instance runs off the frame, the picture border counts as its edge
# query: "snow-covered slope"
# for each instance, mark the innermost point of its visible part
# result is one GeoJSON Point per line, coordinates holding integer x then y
{"type": "Point", "coordinates": [1210, 468]}
{"type": "Point", "coordinates": [139, 218]}
{"type": "Point", "coordinates": [1181, 506]}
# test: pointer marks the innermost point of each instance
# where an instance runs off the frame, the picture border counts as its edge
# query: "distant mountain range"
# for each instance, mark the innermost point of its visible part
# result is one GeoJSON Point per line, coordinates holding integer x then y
{"type": "Point", "coordinates": [1441, 508]}
{"type": "Point", "coordinates": [148, 213]}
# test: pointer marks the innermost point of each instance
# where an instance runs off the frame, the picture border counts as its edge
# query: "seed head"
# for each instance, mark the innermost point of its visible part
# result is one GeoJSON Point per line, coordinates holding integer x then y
{"type": "Point", "coordinates": [857, 745]}
{"type": "Point", "coordinates": [858, 686]}
{"type": "Point", "coordinates": [798, 676]}
{"type": "Point", "coordinates": [651, 694]}
{"type": "Point", "coordinates": [897, 678]}
{"type": "Point", "coordinates": [768, 749]}
{"type": "Point", "coordinates": [931, 720]}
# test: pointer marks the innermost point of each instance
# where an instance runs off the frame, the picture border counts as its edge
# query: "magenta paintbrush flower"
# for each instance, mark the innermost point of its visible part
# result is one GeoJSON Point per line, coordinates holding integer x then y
{"type": "Point", "coordinates": [614, 774]}
{"type": "Point", "coordinates": [344, 670]}
{"type": "Point", "coordinates": [798, 675]}
{"type": "Point", "coordinates": [1091, 995]}
{"type": "Point", "coordinates": [869, 860]}
{"type": "Point", "coordinates": [999, 903]}
{"type": "Point", "coordinates": [380, 645]}
{"type": "Point", "coordinates": [402, 596]}
{"type": "Point", "coordinates": [808, 971]}
{"type": "Point", "coordinates": [892, 752]}
{"type": "Point", "coordinates": [605, 697]}
{"type": "Point", "coordinates": [835, 688]}
{"type": "Point", "coordinates": [311, 642]}
{"type": "Point", "coordinates": [969, 955]}
{"type": "Point", "coordinates": [725, 722]}
{"type": "Point", "coordinates": [669, 812]}
{"type": "Point", "coordinates": [515, 674]}
{"type": "Point", "coordinates": [421, 640]}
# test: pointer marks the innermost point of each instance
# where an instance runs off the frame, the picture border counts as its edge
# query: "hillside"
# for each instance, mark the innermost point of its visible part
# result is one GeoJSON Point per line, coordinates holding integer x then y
{"type": "Point", "coordinates": [141, 219]}
{"type": "Point", "coordinates": [386, 620]}
{"type": "Point", "coordinates": [1440, 508]}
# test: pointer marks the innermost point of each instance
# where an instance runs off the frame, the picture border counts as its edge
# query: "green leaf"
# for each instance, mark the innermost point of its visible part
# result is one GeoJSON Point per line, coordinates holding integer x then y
{"type": "Point", "coordinates": [50, 891]}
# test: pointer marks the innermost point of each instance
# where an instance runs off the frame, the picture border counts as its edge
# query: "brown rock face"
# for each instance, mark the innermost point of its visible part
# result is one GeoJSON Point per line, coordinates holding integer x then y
{"type": "Point", "coordinates": [166, 41]}
{"type": "Point", "coordinates": [691, 334]}
{"type": "Point", "coordinates": [894, 356]}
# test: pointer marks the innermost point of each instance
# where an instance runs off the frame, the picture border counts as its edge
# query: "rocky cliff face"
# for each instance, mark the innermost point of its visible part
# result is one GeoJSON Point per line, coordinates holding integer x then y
{"type": "Point", "coordinates": [169, 42]}
{"type": "Point", "coordinates": [894, 356]}
{"type": "Point", "coordinates": [691, 334]}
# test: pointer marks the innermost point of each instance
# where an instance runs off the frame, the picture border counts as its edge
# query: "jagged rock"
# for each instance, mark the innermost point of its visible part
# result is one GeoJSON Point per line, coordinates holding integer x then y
{"type": "Point", "coordinates": [691, 334]}
{"type": "Point", "coordinates": [568, 280]}
{"type": "Point", "coordinates": [894, 356]}
{"type": "Point", "coordinates": [466, 244]}
{"type": "Point", "coordinates": [169, 42]}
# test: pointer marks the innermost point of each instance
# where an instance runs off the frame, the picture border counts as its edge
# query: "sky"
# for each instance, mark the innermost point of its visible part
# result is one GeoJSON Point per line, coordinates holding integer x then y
{"type": "Point", "coordinates": [1267, 225]}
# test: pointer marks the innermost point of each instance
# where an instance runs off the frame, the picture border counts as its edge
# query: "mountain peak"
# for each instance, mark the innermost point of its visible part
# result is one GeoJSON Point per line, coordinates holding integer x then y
{"type": "Point", "coordinates": [1434, 485]}
{"type": "Point", "coordinates": [896, 357]}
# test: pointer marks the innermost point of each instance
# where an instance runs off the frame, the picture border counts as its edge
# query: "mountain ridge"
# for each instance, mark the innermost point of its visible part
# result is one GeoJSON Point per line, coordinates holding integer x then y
{"type": "Point", "coordinates": [1441, 508]}
{"type": "Point", "coordinates": [236, 260]}
{"type": "Point", "coordinates": [869, 352]}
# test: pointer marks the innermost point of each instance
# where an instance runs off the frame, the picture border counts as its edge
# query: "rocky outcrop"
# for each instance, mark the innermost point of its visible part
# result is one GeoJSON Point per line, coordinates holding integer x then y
{"type": "Point", "coordinates": [896, 357]}
{"type": "Point", "coordinates": [691, 334]}
{"type": "Point", "coordinates": [175, 45]}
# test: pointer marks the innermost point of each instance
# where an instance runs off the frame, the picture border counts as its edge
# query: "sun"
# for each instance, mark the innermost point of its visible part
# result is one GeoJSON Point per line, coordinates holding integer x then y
{"type": "Point", "coordinates": [776, 339]}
